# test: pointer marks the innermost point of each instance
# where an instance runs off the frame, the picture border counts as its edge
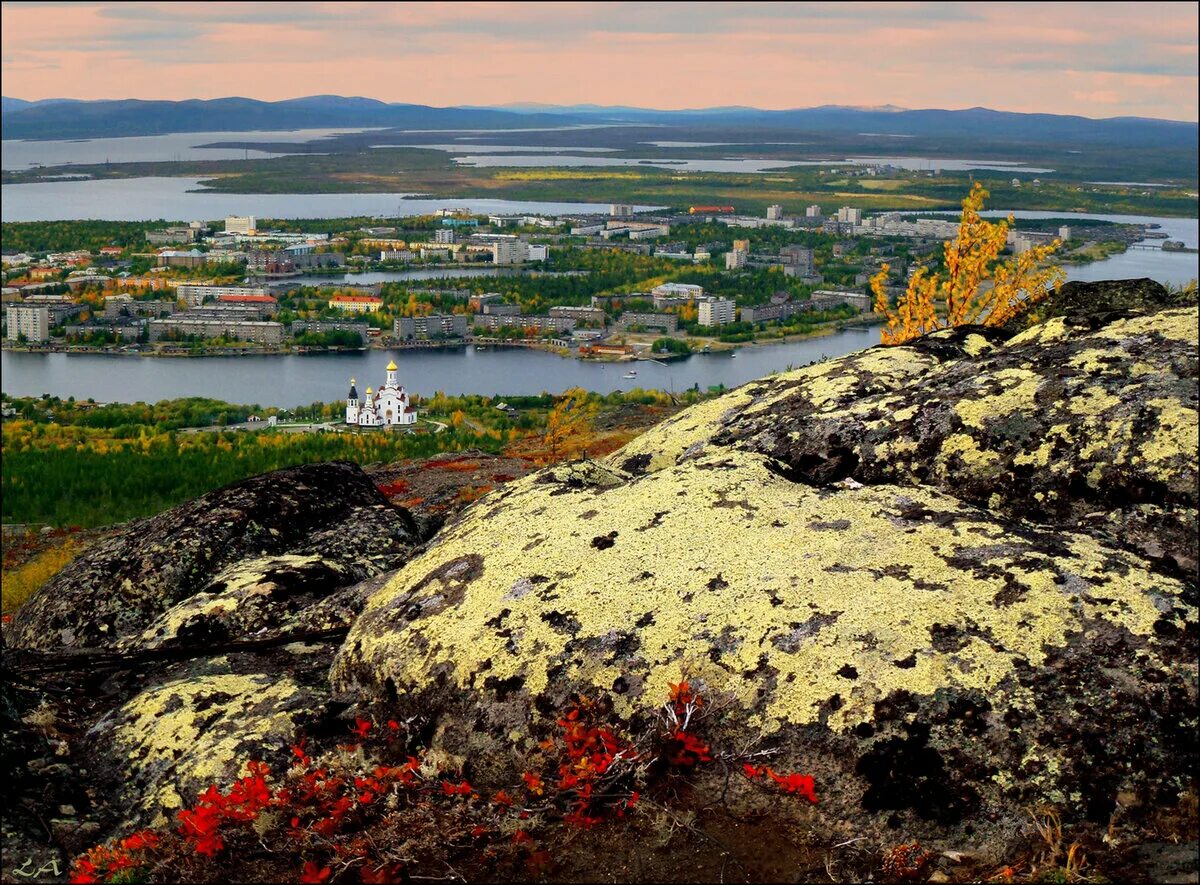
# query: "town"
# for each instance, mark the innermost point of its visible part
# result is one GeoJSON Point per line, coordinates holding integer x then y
{"type": "Point", "coordinates": [625, 284]}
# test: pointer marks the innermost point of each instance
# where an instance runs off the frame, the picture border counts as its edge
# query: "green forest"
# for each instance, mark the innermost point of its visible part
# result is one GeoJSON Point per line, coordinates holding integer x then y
{"type": "Point", "coordinates": [68, 463]}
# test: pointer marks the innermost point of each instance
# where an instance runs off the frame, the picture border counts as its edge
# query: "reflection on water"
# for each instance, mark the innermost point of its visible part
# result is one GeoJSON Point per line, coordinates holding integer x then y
{"type": "Point", "coordinates": [288, 381]}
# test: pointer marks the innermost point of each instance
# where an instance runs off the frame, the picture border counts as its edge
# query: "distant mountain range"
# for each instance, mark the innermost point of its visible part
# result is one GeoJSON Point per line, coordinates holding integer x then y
{"type": "Point", "coordinates": [69, 118]}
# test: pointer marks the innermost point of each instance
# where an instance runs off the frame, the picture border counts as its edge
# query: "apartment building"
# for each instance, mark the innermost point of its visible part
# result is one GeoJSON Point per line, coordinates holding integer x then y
{"type": "Point", "coordinates": [30, 323]}
{"type": "Point", "coordinates": [432, 326]}
{"type": "Point", "coordinates": [716, 312]}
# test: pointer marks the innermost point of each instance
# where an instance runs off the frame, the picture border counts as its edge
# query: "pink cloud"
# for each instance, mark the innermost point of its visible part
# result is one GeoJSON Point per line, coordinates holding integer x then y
{"type": "Point", "coordinates": [1091, 59]}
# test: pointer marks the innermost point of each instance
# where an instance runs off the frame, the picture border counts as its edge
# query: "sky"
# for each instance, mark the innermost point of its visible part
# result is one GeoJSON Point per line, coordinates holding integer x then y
{"type": "Point", "coordinates": [1091, 59]}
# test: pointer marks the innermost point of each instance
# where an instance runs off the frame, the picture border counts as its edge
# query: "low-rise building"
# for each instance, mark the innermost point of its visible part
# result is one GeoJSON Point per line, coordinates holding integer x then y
{"type": "Point", "coordinates": [356, 303]}
{"type": "Point", "coordinates": [768, 313]}
{"type": "Point", "coordinates": [196, 294]}
{"type": "Point", "coordinates": [824, 299]}
{"type": "Point", "coordinates": [169, 236]}
{"type": "Point", "coordinates": [184, 325]}
{"type": "Point", "coordinates": [582, 314]}
{"type": "Point", "coordinates": [116, 306]}
{"type": "Point", "coordinates": [677, 290]}
{"type": "Point", "coordinates": [668, 322]}
{"type": "Point", "coordinates": [453, 325]}
{"type": "Point", "coordinates": [181, 258]}
{"type": "Point", "coordinates": [300, 327]}
{"type": "Point", "coordinates": [122, 329]}
{"type": "Point", "coordinates": [524, 321]}
{"type": "Point", "coordinates": [265, 305]}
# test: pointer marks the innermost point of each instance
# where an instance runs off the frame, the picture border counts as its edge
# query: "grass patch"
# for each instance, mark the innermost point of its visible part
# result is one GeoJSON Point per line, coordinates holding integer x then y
{"type": "Point", "coordinates": [20, 583]}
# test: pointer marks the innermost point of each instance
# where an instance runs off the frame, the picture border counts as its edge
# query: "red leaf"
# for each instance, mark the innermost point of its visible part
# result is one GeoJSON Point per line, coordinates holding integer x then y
{"type": "Point", "coordinates": [311, 875]}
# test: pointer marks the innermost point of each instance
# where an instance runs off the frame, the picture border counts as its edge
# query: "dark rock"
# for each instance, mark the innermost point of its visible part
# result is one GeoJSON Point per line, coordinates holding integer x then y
{"type": "Point", "coordinates": [115, 589]}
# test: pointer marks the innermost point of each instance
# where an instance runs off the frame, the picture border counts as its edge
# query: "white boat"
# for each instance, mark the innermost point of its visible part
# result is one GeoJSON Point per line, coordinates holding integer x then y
{"type": "Point", "coordinates": [630, 374]}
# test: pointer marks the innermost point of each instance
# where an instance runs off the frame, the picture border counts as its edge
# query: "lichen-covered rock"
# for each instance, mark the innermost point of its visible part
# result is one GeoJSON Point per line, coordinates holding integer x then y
{"type": "Point", "coordinates": [263, 596]}
{"type": "Point", "coordinates": [1077, 423]}
{"type": "Point", "coordinates": [197, 725]}
{"type": "Point", "coordinates": [1102, 297]}
{"type": "Point", "coordinates": [119, 586]}
{"type": "Point", "coordinates": [843, 555]}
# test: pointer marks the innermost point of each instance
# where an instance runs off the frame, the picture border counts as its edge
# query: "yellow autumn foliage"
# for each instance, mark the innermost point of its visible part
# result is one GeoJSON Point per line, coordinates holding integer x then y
{"type": "Point", "coordinates": [21, 583]}
{"type": "Point", "coordinates": [976, 288]}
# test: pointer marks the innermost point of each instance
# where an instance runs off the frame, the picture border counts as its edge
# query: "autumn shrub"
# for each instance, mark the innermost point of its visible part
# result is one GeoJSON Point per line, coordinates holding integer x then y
{"type": "Point", "coordinates": [976, 288]}
{"type": "Point", "coordinates": [375, 809]}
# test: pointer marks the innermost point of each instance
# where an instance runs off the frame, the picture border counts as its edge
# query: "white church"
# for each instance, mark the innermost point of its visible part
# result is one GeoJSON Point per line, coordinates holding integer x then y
{"type": "Point", "coordinates": [389, 407]}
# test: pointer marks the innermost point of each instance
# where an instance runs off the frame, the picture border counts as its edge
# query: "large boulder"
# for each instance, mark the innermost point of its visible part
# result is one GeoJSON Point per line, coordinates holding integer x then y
{"type": "Point", "coordinates": [950, 579]}
{"type": "Point", "coordinates": [198, 723]}
{"type": "Point", "coordinates": [329, 517]}
{"type": "Point", "coordinates": [1077, 423]}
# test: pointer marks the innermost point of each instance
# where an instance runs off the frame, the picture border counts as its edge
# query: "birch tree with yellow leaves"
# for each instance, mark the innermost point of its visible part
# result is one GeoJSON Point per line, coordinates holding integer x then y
{"type": "Point", "coordinates": [976, 288]}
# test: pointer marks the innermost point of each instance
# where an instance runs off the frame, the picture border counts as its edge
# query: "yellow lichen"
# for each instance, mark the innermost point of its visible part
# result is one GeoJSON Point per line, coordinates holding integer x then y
{"type": "Point", "coordinates": [1175, 325]}
{"type": "Point", "coordinates": [725, 554]}
{"type": "Point", "coordinates": [1018, 387]}
{"type": "Point", "coordinates": [173, 725]}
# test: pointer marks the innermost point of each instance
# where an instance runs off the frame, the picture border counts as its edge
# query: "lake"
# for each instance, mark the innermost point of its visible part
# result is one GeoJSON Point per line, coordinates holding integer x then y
{"type": "Point", "coordinates": [16, 154]}
{"type": "Point", "coordinates": [289, 381]}
{"type": "Point", "coordinates": [177, 199]}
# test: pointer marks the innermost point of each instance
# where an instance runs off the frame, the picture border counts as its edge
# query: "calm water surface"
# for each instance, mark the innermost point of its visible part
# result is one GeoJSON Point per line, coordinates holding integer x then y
{"type": "Point", "coordinates": [18, 154]}
{"type": "Point", "coordinates": [289, 381]}
{"type": "Point", "coordinates": [176, 199]}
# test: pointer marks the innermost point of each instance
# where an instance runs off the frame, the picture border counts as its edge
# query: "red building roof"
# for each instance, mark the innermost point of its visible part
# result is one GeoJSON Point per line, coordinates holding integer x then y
{"type": "Point", "coordinates": [248, 299]}
{"type": "Point", "coordinates": [367, 298]}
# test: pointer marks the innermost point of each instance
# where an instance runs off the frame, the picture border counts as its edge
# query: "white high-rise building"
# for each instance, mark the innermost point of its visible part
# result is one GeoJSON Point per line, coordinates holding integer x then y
{"type": "Point", "coordinates": [774, 213]}
{"type": "Point", "coordinates": [240, 224]}
{"type": "Point", "coordinates": [813, 211]}
{"type": "Point", "coordinates": [516, 252]}
{"type": "Point", "coordinates": [716, 311]}
{"type": "Point", "coordinates": [31, 322]}
{"type": "Point", "coordinates": [849, 215]}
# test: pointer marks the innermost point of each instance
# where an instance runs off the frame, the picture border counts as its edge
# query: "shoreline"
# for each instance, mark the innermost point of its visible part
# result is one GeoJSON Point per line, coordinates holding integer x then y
{"type": "Point", "coordinates": [714, 345]}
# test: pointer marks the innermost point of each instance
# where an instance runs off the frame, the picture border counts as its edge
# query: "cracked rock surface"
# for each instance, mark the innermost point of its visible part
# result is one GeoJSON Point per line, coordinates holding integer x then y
{"type": "Point", "coordinates": [949, 579]}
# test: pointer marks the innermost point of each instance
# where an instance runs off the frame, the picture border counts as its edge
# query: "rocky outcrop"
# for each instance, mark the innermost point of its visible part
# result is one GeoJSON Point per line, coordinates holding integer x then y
{"type": "Point", "coordinates": [950, 579]}
{"type": "Point", "coordinates": [1084, 422]}
{"type": "Point", "coordinates": [198, 723]}
{"type": "Point", "coordinates": [330, 523]}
